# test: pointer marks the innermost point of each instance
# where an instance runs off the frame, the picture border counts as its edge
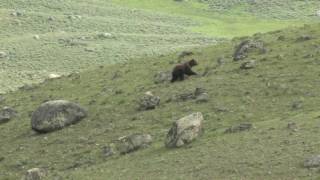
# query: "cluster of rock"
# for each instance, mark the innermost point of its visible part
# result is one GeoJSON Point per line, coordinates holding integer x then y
{"type": "Point", "coordinates": [198, 94]}
{"type": "Point", "coordinates": [239, 128]}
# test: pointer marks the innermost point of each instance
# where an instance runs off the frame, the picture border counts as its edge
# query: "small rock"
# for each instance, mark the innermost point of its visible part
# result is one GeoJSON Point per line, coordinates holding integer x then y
{"type": "Point", "coordinates": [281, 38]}
{"type": "Point", "coordinates": [16, 13]}
{"type": "Point", "coordinates": [185, 130]}
{"type": "Point", "coordinates": [3, 54]}
{"type": "Point", "coordinates": [248, 65]}
{"type": "Point", "coordinates": [54, 115]}
{"type": "Point", "coordinates": [107, 151]}
{"type": "Point", "coordinates": [297, 105]}
{"type": "Point", "coordinates": [185, 53]}
{"type": "Point", "coordinates": [312, 162]}
{"type": "Point", "coordinates": [74, 17]}
{"type": "Point", "coordinates": [184, 96]}
{"type": "Point", "coordinates": [133, 142]}
{"type": "Point", "coordinates": [36, 37]}
{"type": "Point", "coordinates": [105, 35]}
{"type": "Point", "coordinates": [304, 38]}
{"type": "Point", "coordinates": [50, 18]}
{"type": "Point", "coordinates": [162, 77]}
{"type": "Point", "coordinates": [34, 174]}
{"type": "Point", "coordinates": [318, 13]}
{"type": "Point", "coordinates": [149, 101]}
{"type": "Point", "coordinates": [199, 91]}
{"type": "Point", "coordinates": [204, 97]}
{"type": "Point", "coordinates": [191, 95]}
{"type": "Point", "coordinates": [89, 49]}
{"type": "Point", "coordinates": [54, 76]}
{"type": "Point", "coordinates": [221, 61]}
{"type": "Point", "coordinates": [6, 114]}
{"type": "Point", "coordinates": [239, 128]}
{"type": "Point", "coordinates": [292, 126]}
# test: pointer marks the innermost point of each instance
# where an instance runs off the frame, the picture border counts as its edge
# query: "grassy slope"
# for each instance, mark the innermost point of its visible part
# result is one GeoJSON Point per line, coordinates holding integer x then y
{"type": "Point", "coordinates": [228, 18]}
{"type": "Point", "coordinates": [71, 45]}
{"type": "Point", "coordinates": [287, 74]}
{"type": "Point", "coordinates": [275, 9]}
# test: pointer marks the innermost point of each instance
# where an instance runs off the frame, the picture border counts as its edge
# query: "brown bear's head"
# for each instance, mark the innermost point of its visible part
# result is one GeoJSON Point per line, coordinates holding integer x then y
{"type": "Point", "coordinates": [193, 62]}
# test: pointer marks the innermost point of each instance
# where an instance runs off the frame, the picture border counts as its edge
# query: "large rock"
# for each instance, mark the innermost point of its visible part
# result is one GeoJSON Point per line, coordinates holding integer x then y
{"type": "Point", "coordinates": [133, 142]}
{"type": "Point", "coordinates": [6, 114]}
{"type": "Point", "coordinates": [148, 101]}
{"type": "Point", "coordinates": [54, 115]}
{"type": "Point", "coordinates": [34, 174]}
{"type": "Point", "coordinates": [185, 130]}
{"type": "Point", "coordinates": [247, 46]}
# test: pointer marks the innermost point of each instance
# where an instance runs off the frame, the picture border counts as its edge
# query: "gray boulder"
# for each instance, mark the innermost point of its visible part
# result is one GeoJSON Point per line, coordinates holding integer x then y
{"type": "Point", "coordinates": [6, 114]}
{"type": "Point", "coordinates": [246, 47]}
{"type": "Point", "coordinates": [34, 174]}
{"type": "Point", "coordinates": [185, 130]}
{"type": "Point", "coordinates": [312, 162]}
{"type": "Point", "coordinates": [54, 115]}
{"type": "Point", "coordinates": [133, 142]}
{"type": "Point", "coordinates": [148, 101]}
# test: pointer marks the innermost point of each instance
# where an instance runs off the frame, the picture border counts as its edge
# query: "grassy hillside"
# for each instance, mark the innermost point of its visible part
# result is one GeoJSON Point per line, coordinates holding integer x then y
{"type": "Point", "coordinates": [230, 18]}
{"type": "Point", "coordinates": [44, 37]}
{"type": "Point", "coordinates": [283, 87]}
{"type": "Point", "coordinates": [276, 9]}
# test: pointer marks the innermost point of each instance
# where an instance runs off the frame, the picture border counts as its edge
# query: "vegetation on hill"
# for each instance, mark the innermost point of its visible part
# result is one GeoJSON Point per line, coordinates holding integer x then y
{"type": "Point", "coordinates": [281, 88]}
{"type": "Point", "coordinates": [275, 9]}
{"type": "Point", "coordinates": [41, 37]}
{"type": "Point", "coordinates": [230, 18]}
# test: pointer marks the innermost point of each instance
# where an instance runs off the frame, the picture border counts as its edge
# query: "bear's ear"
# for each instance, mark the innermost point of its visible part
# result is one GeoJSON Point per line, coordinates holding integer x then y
{"type": "Point", "coordinates": [193, 62]}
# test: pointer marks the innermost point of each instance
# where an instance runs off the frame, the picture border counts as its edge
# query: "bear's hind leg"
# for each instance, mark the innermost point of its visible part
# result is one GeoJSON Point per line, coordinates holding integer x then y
{"type": "Point", "coordinates": [174, 77]}
{"type": "Point", "coordinates": [181, 76]}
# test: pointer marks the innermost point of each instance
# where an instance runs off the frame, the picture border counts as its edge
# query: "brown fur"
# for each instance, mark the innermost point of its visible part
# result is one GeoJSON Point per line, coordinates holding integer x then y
{"type": "Point", "coordinates": [181, 69]}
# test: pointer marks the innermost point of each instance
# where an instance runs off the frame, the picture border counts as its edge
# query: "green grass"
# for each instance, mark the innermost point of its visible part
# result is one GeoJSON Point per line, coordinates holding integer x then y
{"type": "Point", "coordinates": [233, 21]}
{"type": "Point", "coordinates": [65, 42]}
{"type": "Point", "coordinates": [140, 28]}
{"type": "Point", "coordinates": [286, 74]}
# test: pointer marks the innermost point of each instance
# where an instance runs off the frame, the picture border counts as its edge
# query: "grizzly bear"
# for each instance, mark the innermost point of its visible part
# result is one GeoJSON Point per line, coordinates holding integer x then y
{"type": "Point", "coordinates": [181, 69]}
